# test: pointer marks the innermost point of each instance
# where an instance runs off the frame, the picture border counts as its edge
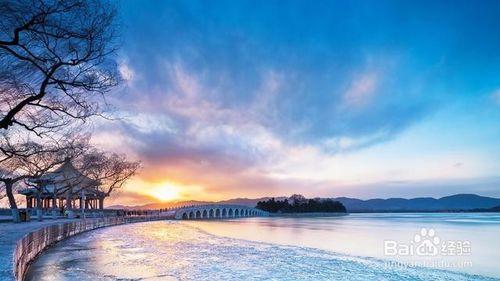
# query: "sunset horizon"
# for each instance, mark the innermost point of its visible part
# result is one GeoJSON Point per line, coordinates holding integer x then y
{"type": "Point", "coordinates": [346, 112]}
{"type": "Point", "coordinates": [343, 140]}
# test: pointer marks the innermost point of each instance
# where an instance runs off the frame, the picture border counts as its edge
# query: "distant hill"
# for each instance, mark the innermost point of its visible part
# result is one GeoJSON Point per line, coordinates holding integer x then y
{"type": "Point", "coordinates": [458, 202]}
{"type": "Point", "coordinates": [249, 202]}
{"type": "Point", "coordinates": [162, 205]}
{"type": "Point", "coordinates": [449, 203]}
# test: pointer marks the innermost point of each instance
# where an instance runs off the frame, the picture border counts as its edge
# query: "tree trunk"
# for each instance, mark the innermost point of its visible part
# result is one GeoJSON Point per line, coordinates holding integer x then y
{"type": "Point", "coordinates": [12, 201]}
{"type": "Point", "coordinates": [101, 203]}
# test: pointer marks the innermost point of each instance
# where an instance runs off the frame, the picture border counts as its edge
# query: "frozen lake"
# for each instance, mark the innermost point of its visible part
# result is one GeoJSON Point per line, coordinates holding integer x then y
{"type": "Point", "coordinates": [354, 247]}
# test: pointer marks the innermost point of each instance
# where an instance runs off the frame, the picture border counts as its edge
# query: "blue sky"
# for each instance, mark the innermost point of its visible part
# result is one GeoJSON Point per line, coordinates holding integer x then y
{"type": "Point", "coordinates": [326, 98]}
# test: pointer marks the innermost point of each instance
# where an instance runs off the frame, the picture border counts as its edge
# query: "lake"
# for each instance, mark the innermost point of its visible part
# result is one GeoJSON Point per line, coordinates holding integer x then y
{"type": "Point", "coordinates": [456, 246]}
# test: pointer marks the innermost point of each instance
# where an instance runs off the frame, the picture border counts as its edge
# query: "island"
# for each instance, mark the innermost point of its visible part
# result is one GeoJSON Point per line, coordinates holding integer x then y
{"type": "Point", "coordinates": [298, 205]}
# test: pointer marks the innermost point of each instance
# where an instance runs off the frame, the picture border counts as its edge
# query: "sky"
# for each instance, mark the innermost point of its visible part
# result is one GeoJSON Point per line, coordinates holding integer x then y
{"type": "Point", "coordinates": [367, 99]}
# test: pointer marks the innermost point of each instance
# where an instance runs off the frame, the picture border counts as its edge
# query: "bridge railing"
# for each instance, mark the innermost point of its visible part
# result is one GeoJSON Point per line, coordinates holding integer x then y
{"type": "Point", "coordinates": [33, 243]}
{"type": "Point", "coordinates": [215, 211]}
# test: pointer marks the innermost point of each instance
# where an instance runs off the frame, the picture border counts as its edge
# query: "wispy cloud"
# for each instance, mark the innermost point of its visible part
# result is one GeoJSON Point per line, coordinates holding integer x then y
{"type": "Point", "coordinates": [126, 72]}
{"type": "Point", "coordinates": [361, 90]}
{"type": "Point", "coordinates": [261, 103]}
{"type": "Point", "coordinates": [495, 96]}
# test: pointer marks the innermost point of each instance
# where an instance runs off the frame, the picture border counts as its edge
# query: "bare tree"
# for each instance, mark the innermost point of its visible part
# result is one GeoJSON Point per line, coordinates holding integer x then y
{"type": "Point", "coordinates": [55, 61]}
{"type": "Point", "coordinates": [2, 191]}
{"type": "Point", "coordinates": [111, 170]}
{"type": "Point", "coordinates": [36, 161]}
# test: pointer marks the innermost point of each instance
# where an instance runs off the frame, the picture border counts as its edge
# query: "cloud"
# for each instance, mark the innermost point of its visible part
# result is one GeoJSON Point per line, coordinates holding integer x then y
{"type": "Point", "coordinates": [198, 130]}
{"type": "Point", "coordinates": [126, 72]}
{"type": "Point", "coordinates": [495, 96]}
{"type": "Point", "coordinates": [127, 196]}
{"type": "Point", "coordinates": [361, 90]}
{"type": "Point", "coordinates": [271, 103]}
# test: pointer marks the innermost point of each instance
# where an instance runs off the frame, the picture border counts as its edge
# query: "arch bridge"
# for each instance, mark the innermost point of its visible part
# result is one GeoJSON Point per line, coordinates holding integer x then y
{"type": "Point", "coordinates": [217, 212]}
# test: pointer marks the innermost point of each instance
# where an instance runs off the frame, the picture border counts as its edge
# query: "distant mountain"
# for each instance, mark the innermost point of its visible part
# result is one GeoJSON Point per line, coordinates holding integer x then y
{"type": "Point", "coordinates": [459, 202]}
{"type": "Point", "coordinates": [163, 205]}
{"type": "Point", "coordinates": [160, 205]}
{"type": "Point", "coordinates": [249, 202]}
{"type": "Point", "coordinates": [449, 203]}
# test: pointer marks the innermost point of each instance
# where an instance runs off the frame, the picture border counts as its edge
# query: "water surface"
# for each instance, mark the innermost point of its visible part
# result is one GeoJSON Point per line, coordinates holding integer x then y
{"type": "Point", "coordinates": [345, 248]}
{"type": "Point", "coordinates": [364, 235]}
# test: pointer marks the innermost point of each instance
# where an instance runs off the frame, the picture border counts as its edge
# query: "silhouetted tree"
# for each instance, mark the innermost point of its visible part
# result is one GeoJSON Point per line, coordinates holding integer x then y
{"type": "Point", "coordinates": [55, 61]}
{"type": "Point", "coordinates": [301, 205]}
{"type": "Point", "coordinates": [36, 160]}
{"type": "Point", "coordinates": [111, 170]}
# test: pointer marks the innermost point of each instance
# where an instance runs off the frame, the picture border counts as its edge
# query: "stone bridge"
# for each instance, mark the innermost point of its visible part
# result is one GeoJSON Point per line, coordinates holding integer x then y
{"type": "Point", "coordinates": [199, 212]}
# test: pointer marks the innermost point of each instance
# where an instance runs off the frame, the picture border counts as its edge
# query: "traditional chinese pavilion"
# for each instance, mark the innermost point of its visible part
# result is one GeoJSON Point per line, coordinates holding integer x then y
{"type": "Point", "coordinates": [66, 188]}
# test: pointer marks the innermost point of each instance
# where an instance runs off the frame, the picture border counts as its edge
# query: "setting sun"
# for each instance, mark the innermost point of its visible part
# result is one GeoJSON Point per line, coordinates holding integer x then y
{"type": "Point", "coordinates": [166, 192]}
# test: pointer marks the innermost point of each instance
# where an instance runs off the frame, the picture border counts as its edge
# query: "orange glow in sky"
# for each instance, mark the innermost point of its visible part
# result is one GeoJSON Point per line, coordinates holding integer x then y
{"type": "Point", "coordinates": [165, 192]}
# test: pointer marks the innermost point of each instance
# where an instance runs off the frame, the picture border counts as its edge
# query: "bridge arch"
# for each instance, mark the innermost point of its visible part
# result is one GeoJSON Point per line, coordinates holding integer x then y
{"type": "Point", "coordinates": [216, 212]}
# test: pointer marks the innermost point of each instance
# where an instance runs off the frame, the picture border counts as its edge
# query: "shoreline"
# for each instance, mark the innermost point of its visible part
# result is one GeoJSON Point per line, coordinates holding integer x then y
{"type": "Point", "coordinates": [35, 241]}
{"type": "Point", "coordinates": [307, 215]}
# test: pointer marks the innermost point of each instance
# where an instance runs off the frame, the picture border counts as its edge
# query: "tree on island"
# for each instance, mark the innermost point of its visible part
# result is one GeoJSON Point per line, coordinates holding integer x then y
{"type": "Point", "coordinates": [301, 205]}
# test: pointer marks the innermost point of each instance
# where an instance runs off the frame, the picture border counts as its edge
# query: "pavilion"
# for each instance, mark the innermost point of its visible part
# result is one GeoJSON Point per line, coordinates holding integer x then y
{"type": "Point", "coordinates": [65, 188]}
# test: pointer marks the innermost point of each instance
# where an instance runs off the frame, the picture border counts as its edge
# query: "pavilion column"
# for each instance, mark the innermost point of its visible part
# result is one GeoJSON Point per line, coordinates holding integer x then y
{"type": "Point", "coordinates": [39, 206]}
{"type": "Point", "coordinates": [68, 201]}
{"type": "Point", "coordinates": [54, 206]}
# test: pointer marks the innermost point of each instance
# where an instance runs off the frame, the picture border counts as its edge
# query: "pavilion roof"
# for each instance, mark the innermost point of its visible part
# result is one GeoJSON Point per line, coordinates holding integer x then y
{"type": "Point", "coordinates": [67, 175]}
